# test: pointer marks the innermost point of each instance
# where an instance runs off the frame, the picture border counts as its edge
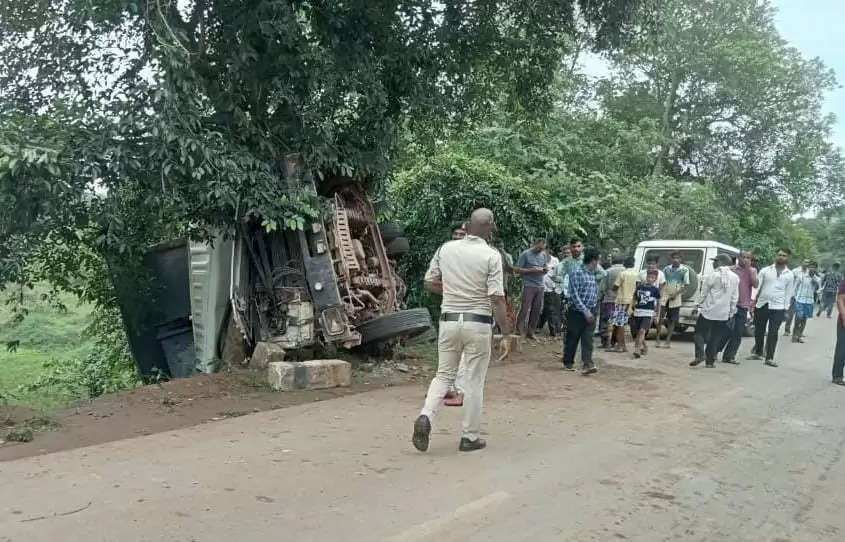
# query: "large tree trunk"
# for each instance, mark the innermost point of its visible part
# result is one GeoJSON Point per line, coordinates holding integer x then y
{"type": "Point", "coordinates": [666, 132]}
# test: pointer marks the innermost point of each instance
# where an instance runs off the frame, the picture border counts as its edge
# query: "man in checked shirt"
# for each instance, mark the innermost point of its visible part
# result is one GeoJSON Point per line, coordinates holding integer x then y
{"type": "Point", "coordinates": [583, 298]}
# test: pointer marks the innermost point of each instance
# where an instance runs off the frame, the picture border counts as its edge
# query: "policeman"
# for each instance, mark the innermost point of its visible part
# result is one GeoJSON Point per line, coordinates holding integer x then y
{"type": "Point", "coordinates": [468, 273]}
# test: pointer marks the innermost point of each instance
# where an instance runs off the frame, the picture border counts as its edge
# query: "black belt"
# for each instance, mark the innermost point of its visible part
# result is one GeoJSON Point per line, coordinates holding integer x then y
{"type": "Point", "coordinates": [468, 317]}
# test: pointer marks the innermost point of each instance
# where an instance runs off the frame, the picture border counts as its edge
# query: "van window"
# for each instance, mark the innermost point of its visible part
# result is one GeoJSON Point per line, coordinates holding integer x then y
{"type": "Point", "coordinates": [691, 257]}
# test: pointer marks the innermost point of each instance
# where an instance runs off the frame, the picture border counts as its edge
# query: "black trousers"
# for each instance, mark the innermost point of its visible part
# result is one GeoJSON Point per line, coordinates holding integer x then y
{"type": "Point", "coordinates": [551, 313]}
{"type": "Point", "coordinates": [839, 353]}
{"type": "Point", "coordinates": [708, 338]}
{"type": "Point", "coordinates": [578, 331]}
{"type": "Point", "coordinates": [733, 338]}
{"type": "Point", "coordinates": [766, 325]}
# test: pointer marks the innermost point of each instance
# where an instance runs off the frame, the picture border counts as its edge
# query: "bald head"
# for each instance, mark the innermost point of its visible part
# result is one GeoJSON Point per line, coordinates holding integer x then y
{"type": "Point", "coordinates": [481, 223]}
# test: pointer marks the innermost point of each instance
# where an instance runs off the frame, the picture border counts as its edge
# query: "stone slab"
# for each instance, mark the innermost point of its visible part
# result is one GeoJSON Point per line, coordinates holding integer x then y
{"type": "Point", "coordinates": [266, 353]}
{"type": "Point", "coordinates": [315, 374]}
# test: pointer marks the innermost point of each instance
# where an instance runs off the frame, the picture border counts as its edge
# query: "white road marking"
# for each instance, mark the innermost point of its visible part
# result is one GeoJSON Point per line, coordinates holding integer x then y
{"type": "Point", "coordinates": [471, 511]}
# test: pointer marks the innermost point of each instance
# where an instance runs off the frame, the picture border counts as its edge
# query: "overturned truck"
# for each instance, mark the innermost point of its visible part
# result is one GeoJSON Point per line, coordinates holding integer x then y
{"type": "Point", "coordinates": [332, 284]}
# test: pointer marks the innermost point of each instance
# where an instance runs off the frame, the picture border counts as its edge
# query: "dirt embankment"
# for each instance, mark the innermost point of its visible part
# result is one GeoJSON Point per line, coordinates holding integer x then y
{"type": "Point", "coordinates": [203, 399]}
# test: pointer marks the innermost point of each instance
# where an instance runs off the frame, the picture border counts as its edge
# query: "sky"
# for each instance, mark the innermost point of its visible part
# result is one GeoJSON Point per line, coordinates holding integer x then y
{"type": "Point", "coordinates": [815, 27]}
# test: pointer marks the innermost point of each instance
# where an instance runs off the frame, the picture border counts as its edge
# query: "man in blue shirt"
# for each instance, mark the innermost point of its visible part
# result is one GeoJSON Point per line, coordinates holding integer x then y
{"type": "Point", "coordinates": [583, 297]}
{"type": "Point", "coordinates": [531, 266]}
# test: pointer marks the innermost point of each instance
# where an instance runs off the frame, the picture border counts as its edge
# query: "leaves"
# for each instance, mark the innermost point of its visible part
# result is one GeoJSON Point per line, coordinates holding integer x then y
{"type": "Point", "coordinates": [739, 108]}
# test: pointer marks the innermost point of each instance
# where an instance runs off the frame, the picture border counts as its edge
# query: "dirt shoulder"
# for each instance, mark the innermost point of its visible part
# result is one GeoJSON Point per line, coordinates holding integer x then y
{"type": "Point", "coordinates": [177, 404]}
{"type": "Point", "coordinates": [202, 399]}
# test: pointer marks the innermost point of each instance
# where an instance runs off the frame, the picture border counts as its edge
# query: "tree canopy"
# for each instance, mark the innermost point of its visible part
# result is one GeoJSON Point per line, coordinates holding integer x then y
{"type": "Point", "coordinates": [123, 119]}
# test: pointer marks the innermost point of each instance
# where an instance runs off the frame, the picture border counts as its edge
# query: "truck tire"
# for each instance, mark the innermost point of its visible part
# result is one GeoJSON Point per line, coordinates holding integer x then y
{"type": "Point", "coordinates": [407, 323]}
{"type": "Point", "coordinates": [390, 231]}
{"type": "Point", "coordinates": [397, 247]}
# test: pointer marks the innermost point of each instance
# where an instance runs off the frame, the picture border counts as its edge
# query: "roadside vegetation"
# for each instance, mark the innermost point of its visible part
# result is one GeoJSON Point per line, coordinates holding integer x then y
{"type": "Point", "coordinates": [704, 124]}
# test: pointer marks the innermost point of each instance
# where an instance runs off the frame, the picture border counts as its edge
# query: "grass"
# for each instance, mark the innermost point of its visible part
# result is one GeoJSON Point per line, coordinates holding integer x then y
{"type": "Point", "coordinates": [46, 333]}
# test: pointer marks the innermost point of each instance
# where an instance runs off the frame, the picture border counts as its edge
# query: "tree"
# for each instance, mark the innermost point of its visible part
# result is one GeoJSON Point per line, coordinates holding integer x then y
{"type": "Point", "coordinates": [138, 112]}
{"type": "Point", "coordinates": [737, 106]}
{"type": "Point", "coordinates": [445, 188]}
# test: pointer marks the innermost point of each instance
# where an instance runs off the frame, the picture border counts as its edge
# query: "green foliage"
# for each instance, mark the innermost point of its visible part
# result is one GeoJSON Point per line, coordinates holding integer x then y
{"type": "Point", "coordinates": [437, 192]}
{"type": "Point", "coordinates": [53, 329]}
{"type": "Point", "coordinates": [122, 120]}
{"type": "Point", "coordinates": [19, 434]}
{"type": "Point", "coordinates": [108, 367]}
{"type": "Point", "coordinates": [66, 350]}
{"type": "Point", "coordinates": [738, 107]}
{"type": "Point", "coordinates": [827, 230]}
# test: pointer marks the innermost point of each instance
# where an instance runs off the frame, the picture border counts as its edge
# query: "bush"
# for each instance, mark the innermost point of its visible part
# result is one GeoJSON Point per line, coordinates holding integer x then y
{"type": "Point", "coordinates": [107, 368]}
{"type": "Point", "coordinates": [436, 192]}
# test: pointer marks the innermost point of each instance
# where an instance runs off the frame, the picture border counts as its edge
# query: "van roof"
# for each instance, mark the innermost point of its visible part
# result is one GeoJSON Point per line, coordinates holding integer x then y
{"type": "Point", "coordinates": [686, 243]}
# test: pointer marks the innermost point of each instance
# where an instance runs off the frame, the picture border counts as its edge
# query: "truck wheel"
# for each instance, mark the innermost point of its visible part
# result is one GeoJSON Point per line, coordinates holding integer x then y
{"type": "Point", "coordinates": [408, 323]}
{"type": "Point", "coordinates": [398, 247]}
{"type": "Point", "coordinates": [390, 231]}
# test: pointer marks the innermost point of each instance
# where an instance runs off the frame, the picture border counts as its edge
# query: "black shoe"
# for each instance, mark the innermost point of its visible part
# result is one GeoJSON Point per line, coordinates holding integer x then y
{"type": "Point", "coordinates": [839, 382]}
{"type": "Point", "coordinates": [696, 362]}
{"type": "Point", "coordinates": [472, 445]}
{"type": "Point", "coordinates": [422, 428]}
{"type": "Point", "coordinates": [710, 365]}
{"type": "Point", "coordinates": [589, 370]}
{"type": "Point", "coordinates": [731, 361]}
{"type": "Point", "coordinates": [568, 368]}
{"type": "Point", "coordinates": [770, 363]}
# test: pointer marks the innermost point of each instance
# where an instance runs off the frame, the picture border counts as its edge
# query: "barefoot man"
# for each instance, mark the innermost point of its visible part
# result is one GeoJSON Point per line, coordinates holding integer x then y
{"type": "Point", "coordinates": [468, 273]}
{"type": "Point", "coordinates": [677, 278]}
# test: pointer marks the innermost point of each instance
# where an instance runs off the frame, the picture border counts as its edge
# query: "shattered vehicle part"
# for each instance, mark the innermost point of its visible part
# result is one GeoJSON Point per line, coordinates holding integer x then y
{"type": "Point", "coordinates": [323, 284]}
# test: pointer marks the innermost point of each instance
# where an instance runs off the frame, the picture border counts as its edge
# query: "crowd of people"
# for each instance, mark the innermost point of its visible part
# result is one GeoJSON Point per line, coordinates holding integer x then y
{"type": "Point", "coordinates": [580, 294]}
{"type": "Point", "coordinates": [572, 293]}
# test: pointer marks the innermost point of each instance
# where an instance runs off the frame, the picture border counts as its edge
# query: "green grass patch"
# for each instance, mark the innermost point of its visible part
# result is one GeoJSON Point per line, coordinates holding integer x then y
{"type": "Point", "coordinates": [46, 333]}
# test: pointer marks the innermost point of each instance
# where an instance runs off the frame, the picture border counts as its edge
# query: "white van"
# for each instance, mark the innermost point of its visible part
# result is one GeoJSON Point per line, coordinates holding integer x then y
{"type": "Point", "coordinates": [697, 255]}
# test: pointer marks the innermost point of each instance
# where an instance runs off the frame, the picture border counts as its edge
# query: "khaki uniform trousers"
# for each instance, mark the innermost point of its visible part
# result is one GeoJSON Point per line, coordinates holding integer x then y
{"type": "Point", "coordinates": [473, 341]}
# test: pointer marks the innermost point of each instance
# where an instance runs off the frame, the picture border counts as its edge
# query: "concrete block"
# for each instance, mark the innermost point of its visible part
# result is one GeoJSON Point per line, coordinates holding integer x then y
{"type": "Point", "coordinates": [266, 353]}
{"type": "Point", "coordinates": [309, 375]}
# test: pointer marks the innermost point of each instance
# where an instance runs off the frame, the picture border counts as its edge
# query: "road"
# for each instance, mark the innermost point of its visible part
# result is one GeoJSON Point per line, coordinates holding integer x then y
{"type": "Point", "coordinates": [646, 450]}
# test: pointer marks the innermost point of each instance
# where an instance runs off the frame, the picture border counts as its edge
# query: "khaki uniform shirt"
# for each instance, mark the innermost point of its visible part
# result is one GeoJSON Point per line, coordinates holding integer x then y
{"type": "Point", "coordinates": [471, 272]}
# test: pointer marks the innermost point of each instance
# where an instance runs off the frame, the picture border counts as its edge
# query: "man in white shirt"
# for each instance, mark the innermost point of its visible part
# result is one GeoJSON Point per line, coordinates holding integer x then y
{"type": "Point", "coordinates": [716, 305]}
{"type": "Point", "coordinates": [806, 287]}
{"type": "Point", "coordinates": [775, 291]}
{"type": "Point", "coordinates": [797, 273]}
{"type": "Point", "coordinates": [551, 305]}
{"type": "Point", "coordinates": [551, 300]}
{"type": "Point", "coordinates": [652, 263]}
{"type": "Point", "coordinates": [468, 274]}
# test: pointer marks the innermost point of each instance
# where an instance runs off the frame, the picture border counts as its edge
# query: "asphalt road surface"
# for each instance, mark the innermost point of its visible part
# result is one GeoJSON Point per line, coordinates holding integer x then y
{"type": "Point", "coordinates": [645, 450]}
